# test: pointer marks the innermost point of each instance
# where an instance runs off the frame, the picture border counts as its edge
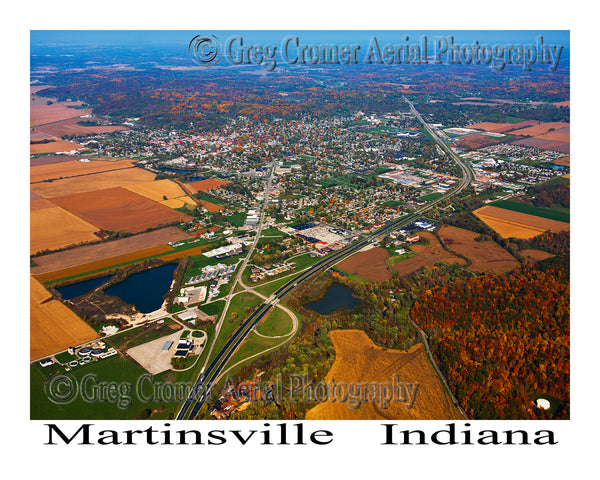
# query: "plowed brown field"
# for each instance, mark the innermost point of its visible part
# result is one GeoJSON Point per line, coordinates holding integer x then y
{"type": "Point", "coordinates": [412, 264]}
{"type": "Point", "coordinates": [108, 250]}
{"type": "Point", "coordinates": [53, 326]}
{"type": "Point", "coordinates": [205, 185]}
{"type": "Point", "coordinates": [359, 361]}
{"type": "Point", "coordinates": [535, 255]}
{"type": "Point", "coordinates": [74, 168]}
{"type": "Point", "coordinates": [119, 210]}
{"type": "Point", "coordinates": [515, 224]}
{"type": "Point", "coordinates": [486, 257]}
{"type": "Point", "coordinates": [370, 265]}
{"type": "Point", "coordinates": [435, 250]}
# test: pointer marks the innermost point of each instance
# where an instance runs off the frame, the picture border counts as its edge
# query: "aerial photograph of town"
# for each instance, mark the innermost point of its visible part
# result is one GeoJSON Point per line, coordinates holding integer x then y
{"type": "Point", "coordinates": [299, 225]}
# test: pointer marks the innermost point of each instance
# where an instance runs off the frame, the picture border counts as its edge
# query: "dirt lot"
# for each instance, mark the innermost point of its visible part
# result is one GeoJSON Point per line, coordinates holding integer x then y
{"type": "Point", "coordinates": [119, 210]}
{"type": "Point", "coordinates": [535, 255]}
{"type": "Point", "coordinates": [515, 224]}
{"type": "Point", "coordinates": [358, 360]}
{"type": "Point", "coordinates": [412, 264]}
{"type": "Point", "coordinates": [53, 327]}
{"type": "Point", "coordinates": [89, 183]}
{"type": "Point", "coordinates": [74, 168]}
{"type": "Point", "coordinates": [370, 265]}
{"type": "Point", "coordinates": [158, 189]}
{"type": "Point", "coordinates": [205, 185]}
{"type": "Point", "coordinates": [435, 250]}
{"type": "Point", "coordinates": [487, 257]}
{"type": "Point", "coordinates": [106, 250]}
{"type": "Point", "coordinates": [52, 228]}
{"type": "Point", "coordinates": [151, 356]}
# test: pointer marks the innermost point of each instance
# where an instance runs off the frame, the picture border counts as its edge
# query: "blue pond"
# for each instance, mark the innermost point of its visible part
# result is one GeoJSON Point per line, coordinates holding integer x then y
{"type": "Point", "coordinates": [337, 297]}
{"type": "Point", "coordinates": [145, 289]}
{"type": "Point", "coordinates": [71, 291]}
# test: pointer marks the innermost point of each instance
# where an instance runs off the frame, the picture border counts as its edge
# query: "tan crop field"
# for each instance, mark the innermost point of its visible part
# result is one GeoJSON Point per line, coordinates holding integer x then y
{"type": "Point", "coordinates": [515, 224]}
{"type": "Point", "coordinates": [435, 250]}
{"type": "Point", "coordinates": [119, 210]}
{"type": "Point", "coordinates": [535, 255]}
{"type": "Point", "coordinates": [55, 145]}
{"type": "Point", "coordinates": [205, 185]}
{"type": "Point", "coordinates": [486, 257]}
{"type": "Point", "coordinates": [41, 113]}
{"type": "Point", "coordinates": [370, 265]}
{"type": "Point", "coordinates": [53, 228]}
{"type": "Point", "coordinates": [108, 250]}
{"type": "Point", "coordinates": [159, 189]}
{"type": "Point", "coordinates": [53, 326]}
{"type": "Point", "coordinates": [540, 129]}
{"type": "Point", "coordinates": [359, 361]}
{"type": "Point", "coordinates": [72, 127]}
{"type": "Point", "coordinates": [89, 183]}
{"type": "Point", "coordinates": [412, 264]}
{"type": "Point", "coordinates": [74, 168]}
{"type": "Point", "coordinates": [211, 207]}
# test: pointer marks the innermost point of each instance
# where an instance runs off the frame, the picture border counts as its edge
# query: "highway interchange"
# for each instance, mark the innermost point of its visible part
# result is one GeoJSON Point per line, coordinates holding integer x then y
{"type": "Point", "coordinates": [206, 381]}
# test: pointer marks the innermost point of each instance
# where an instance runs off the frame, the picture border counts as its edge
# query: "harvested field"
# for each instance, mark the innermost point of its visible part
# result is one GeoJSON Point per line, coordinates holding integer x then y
{"type": "Point", "coordinates": [48, 159]}
{"type": "Point", "coordinates": [178, 202]}
{"type": "Point", "coordinates": [74, 168]}
{"type": "Point", "coordinates": [503, 127]}
{"type": "Point", "coordinates": [535, 255]}
{"type": "Point", "coordinates": [158, 189]}
{"type": "Point", "coordinates": [108, 250]}
{"type": "Point", "coordinates": [370, 265]}
{"type": "Point", "coordinates": [205, 185]}
{"type": "Point", "coordinates": [477, 141]}
{"type": "Point", "coordinates": [486, 257]}
{"type": "Point", "coordinates": [359, 361]}
{"type": "Point", "coordinates": [564, 161]}
{"type": "Point", "coordinates": [119, 210]}
{"type": "Point", "coordinates": [540, 129]}
{"type": "Point", "coordinates": [515, 224]}
{"type": "Point", "coordinates": [557, 136]}
{"type": "Point", "coordinates": [54, 145]}
{"type": "Point", "coordinates": [89, 183]}
{"type": "Point", "coordinates": [53, 228]}
{"type": "Point", "coordinates": [41, 113]}
{"type": "Point", "coordinates": [435, 250]}
{"type": "Point", "coordinates": [412, 264]}
{"type": "Point", "coordinates": [37, 203]}
{"type": "Point", "coordinates": [72, 127]}
{"type": "Point", "coordinates": [211, 207]}
{"type": "Point", "coordinates": [53, 326]}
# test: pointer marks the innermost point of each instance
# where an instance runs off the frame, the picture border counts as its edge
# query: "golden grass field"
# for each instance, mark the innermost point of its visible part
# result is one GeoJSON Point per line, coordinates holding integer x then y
{"type": "Point", "coordinates": [515, 224]}
{"type": "Point", "coordinates": [57, 145]}
{"type": "Point", "coordinates": [89, 183]}
{"type": "Point", "coordinates": [158, 189]}
{"type": "Point", "coordinates": [54, 227]}
{"type": "Point", "coordinates": [359, 360]}
{"type": "Point", "coordinates": [53, 326]}
{"type": "Point", "coordinates": [73, 168]}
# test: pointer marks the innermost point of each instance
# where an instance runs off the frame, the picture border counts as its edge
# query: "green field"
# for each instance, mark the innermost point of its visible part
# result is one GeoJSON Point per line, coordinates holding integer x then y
{"type": "Point", "coordinates": [559, 214]}
{"type": "Point", "coordinates": [430, 197]}
{"type": "Point", "coordinates": [277, 323]}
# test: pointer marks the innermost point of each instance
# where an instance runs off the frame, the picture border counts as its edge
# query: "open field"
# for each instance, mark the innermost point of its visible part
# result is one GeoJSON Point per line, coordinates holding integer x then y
{"type": "Point", "coordinates": [486, 257]}
{"type": "Point", "coordinates": [53, 228]}
{"type": "Point", "coordinates": [205, 185]}
{"type": "Point", "coordinates": [54, 145]}
{"type": "Point", "coordinates": [119, 210]}
{"type": "Point", "coordinates": [435, 250]}
{"type": "Point", "coordinates": [38, 203]}
{"type": "Point", "coordinates": [559, 214]}
{"type": "Point", "coordinates": [564, 161]}
{"type": "Point", "coordinates": [370, 265]}
{"type": "Point", "coordinates": [211, 207]}
{"type": "Point", "coordinates": [53, 327]}
{"type": "Point", "coordinates": [72, 127]}
{"type": "Point", "coordinates": [41, 113]}
{"type": "Point", "coordinates": [537, 130]}
{"type": "Point", "coordinates": [412, 264]}
{"type": "Point", "coordinates": [516, 224]}
{"type": "Point", "coordinates": [157, 190]}
{"type": "Point", "coordinates": [74, 168]}
{"type": "Point", "coordinates": [178, 202]}
{"type": "Point", "coordinates": [89, 183]}
{"type": "Point", "coordinates": [503, 127]}
{"type": "Point", "coordinates": [535, 255]}
{"type": "Point", "coordinates": [108, 250]}
{"type": "Point", "coordinates": [358, 360]}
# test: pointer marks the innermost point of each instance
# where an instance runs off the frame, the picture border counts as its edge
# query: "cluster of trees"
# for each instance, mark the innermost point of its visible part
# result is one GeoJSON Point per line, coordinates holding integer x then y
{"type": "Point", "coordinates": [501, 340]}
{"type": "Point", "coordinates": [547, 195]}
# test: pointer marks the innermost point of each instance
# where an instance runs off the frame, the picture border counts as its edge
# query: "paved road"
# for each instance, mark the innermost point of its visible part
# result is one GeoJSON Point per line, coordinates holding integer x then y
{"type": "Point", "coordinates": [206, 381]}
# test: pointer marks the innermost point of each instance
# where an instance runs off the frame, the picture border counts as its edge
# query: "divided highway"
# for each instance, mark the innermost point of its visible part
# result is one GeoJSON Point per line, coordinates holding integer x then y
{"type": "Point", "coordinates": [202, 388]}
